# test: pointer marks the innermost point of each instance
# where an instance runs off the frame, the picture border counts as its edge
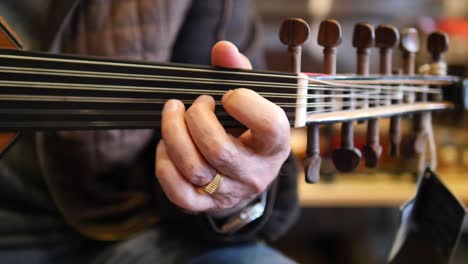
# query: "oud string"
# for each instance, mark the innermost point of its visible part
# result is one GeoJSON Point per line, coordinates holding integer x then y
{"type": "Point", "coordinates": [317, 85]}
{"type": "Point", "coordinates": [181, 91]}
{"type": "Point", "coordinates": [117, 100]}
{"type": "Point", "coordinates": [21, 55]}
{"type": "Point", "coordinates": [377, 94]}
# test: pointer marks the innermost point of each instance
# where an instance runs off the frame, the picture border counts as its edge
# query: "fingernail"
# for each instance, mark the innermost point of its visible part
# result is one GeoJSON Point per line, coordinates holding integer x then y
{"type": "Point", "coordinates": [227, 95]}
{"type": "Point", "coordinates": [171, 106]}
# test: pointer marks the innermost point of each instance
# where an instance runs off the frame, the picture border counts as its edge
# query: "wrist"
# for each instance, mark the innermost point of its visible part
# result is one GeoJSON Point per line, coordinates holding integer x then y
{"type": "Point", "coordinates": [220, 214]}
{"type": "Point", "coordinates": [228, 222]}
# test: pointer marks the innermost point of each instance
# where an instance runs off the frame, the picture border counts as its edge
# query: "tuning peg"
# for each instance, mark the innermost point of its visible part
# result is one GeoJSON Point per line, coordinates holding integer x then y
{"type": "Point", "coordinates": [437, 45]}
{"type": "Point", "coordinates": [347, 157]}
{"type": "Point", "coordinates": [363, 40]}
{"type": "Point", "coordinates": [363, 36]}
{"type": "Point", "coordinates": [386, 37]}
{"type": "Point", "coordinates": [294, 32]}
{"type": "Point", "coordinates": [329, 37]}
{"type": "Point", "coordinates": [313, 160]}
{"type": "Point", "coordinates": [409, 45]}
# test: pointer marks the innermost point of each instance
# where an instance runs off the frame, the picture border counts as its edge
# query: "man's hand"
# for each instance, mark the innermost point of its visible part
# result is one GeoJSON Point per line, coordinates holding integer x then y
{"type": "Point", "coordinates": [195, 146]}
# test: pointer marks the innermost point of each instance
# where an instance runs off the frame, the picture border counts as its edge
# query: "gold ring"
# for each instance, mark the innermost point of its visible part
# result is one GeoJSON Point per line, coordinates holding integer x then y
{"type": "Point", "coordinates": [213, 185]}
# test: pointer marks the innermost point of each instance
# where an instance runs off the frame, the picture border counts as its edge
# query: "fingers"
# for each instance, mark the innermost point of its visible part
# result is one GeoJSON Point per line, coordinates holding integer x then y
{"type": "Point", "coordinates": [207, 138]}
{"type": "Point", "coordinates": [224, 152]}
{"type": "Point", "coordinates": [268, 125]}
{"type": "Point", "coordinates": [183, 151]}
{"type": "Point", "coordinates": [179, 190]}
{"type": "Point", "coordinates": [218, 148]}
{"type": "Point", "coordinates": [195, 145]}
{"type": "Point", "coordinates": [225, 54]}
{"type": "Point", "coordinates": [184, 194]}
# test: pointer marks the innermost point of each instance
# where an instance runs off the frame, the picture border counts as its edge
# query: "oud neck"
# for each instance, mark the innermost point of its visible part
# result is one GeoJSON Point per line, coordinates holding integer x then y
{"type": "Point", "coordinates": [74, 92]}
{"type": "Point", "coordinates": [46, 91]}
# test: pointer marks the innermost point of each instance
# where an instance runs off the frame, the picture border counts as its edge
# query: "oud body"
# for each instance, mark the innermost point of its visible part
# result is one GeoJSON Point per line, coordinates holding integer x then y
{"type": "Point", "coordinates": [8, 40]}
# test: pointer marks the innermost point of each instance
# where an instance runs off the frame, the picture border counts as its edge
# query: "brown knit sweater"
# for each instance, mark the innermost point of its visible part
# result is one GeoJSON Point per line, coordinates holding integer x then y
{"type": "Point", "coordinates": [102, 182]}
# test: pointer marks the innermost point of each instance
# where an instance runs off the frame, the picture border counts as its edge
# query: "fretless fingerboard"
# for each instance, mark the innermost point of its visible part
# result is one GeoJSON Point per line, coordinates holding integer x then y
{"type": "Point", "coordinates": [40, 91]}
{"type": "Point", "coordinates": [44, 91]}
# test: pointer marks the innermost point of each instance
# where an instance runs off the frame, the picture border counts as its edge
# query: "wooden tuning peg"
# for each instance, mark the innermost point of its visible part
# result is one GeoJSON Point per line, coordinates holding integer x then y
{"type": "Point", "coordinates": [347, 157]}
{"type": "Point", "coordinates": [329, 37]}
{"type": "Point", "coordinates": [409, 46]}
{"type": "Point", "coordinates": [294, 32]}
{"type": "Point", "coordinates": [386, 37]}
{"type": "Point", "coordinates": [437, 45]}
{"type": "Point", "coordinates": [363, 40]}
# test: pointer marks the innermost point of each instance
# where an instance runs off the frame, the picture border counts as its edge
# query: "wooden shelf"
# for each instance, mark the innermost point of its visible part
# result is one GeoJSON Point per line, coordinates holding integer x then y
{"type": "Point", "coordinates": [370, 191]}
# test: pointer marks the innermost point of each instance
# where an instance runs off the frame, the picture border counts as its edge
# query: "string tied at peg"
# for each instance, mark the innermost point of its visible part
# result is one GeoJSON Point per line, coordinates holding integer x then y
{"type": "Point", "coordinates": [435, 68]}
{"type": "Point", "coordinates": [437, 45]}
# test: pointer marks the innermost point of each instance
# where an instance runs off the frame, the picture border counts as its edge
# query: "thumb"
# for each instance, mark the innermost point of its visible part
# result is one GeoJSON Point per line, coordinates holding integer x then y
{"type": "Point", "coordinates": [225, 54]}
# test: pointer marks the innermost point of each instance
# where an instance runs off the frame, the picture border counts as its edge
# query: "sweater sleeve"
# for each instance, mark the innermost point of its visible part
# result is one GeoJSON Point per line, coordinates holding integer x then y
{"type": "Point", "coordinates": [280, 214]}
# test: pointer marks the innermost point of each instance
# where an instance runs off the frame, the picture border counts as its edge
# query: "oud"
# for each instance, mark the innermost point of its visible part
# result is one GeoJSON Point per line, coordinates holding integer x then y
{"type": "Point", "coordinates": [49, 92]}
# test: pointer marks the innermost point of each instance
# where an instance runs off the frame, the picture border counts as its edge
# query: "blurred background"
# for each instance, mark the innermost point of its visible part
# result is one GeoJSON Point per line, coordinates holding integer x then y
{"type": "Point", "coordinates": [353, 218]}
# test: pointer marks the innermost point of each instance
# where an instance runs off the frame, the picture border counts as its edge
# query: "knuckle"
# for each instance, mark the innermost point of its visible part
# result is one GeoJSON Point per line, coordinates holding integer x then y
{"type": "Point", "coordinates": [258, 186]}
{"type": "Point", "coordinates": [280, 126]}
{"type": "Point", "coordinates": [221, 155]}
{"type": "Point", "coordinates": [197, 175]}
{"type": "Point", "coordinates": [184, 201]}
{"type": "Point", "coordinates": [276, 124]}
{"type": "Point", "coordinates": [282, 148]}
{"type": "Point", "coordinates": [278, 132]}
{"type": "Point", "coordinates": [225, 202]}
